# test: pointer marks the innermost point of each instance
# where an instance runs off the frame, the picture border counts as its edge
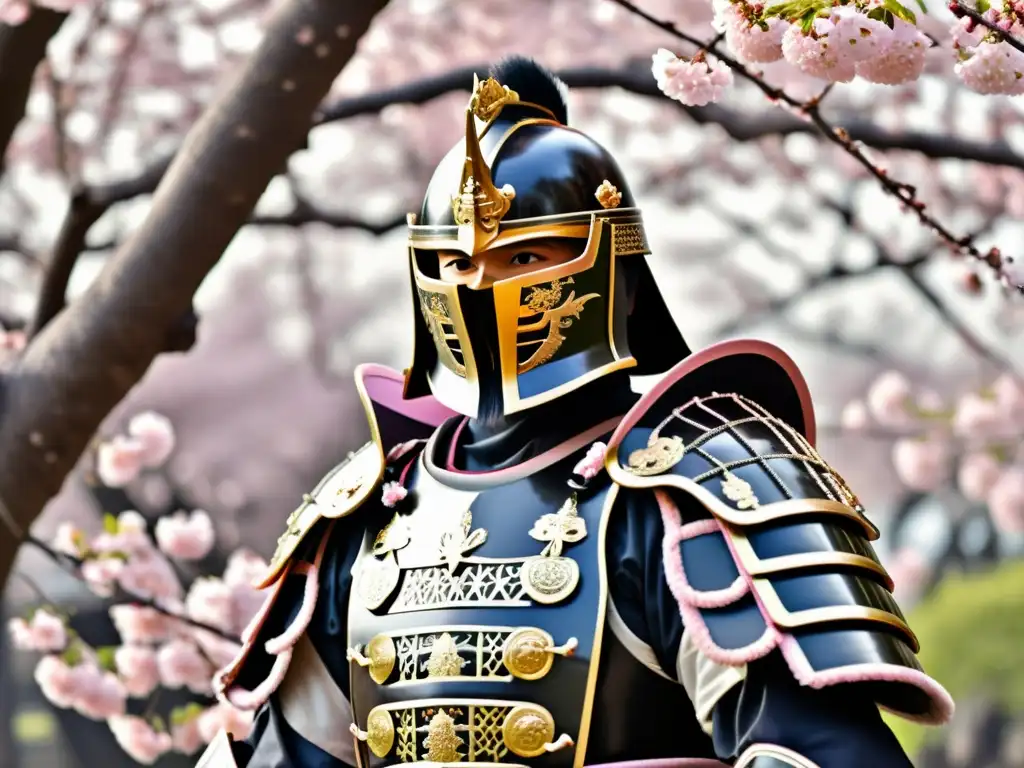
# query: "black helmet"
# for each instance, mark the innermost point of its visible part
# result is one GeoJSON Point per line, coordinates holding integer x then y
{"type": "Point", "coordinates": [522, 174]}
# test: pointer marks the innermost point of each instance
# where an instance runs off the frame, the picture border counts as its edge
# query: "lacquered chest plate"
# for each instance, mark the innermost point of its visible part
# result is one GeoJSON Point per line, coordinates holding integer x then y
{"type": "Point", "coordinates": [474, 618]}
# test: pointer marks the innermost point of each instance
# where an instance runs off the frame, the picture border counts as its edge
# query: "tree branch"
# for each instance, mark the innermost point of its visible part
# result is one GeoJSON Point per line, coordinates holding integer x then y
{"type": "Point", "coordinates": [738, 125]}
{"type": "Point", "coordinates": [22, 48]}
{"type": "Point", "coordinates": [91, 354]}
{"type": "Point", "coordinates": [905, 193]}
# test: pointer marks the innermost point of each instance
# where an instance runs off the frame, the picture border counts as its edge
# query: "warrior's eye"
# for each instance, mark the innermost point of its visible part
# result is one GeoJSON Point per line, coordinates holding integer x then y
{"type": "Point", "coordinates": [524, 258]}
{"type": "Point", "coordinates": [459, 265]}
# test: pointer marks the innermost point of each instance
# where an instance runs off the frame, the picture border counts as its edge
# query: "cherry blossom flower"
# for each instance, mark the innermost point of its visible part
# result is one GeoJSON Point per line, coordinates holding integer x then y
{"type": "Point", "coordinates": [219, 650]}
{"type": "Point", "coordinates": [100, 574]}
{"type": "Point", "coordinates": [99, 694]}
{"type": "Point", "coordinates": [992, 68]}
{"type": "Point", "coordinates": [977, 416]}
{"type": "Point", "coordinates": [748, 40]}
{"type": "Point", "coordinates": [185, 536]}
{"type": "Point", "coordinates": [138, 738]}
{"type": "Point", "coordinates": [392, 493]}
{"type": "Point", "coordinates": [1009, 394]}
{"type": "Point", "coordinates": [243, 568]}
{"type": "Point", "coordinates": [977, 475]}
{"type": "Point", "coordinates": [902, 58]}
{"type": "Point", "coordinates": [136, 664]}
{"type": "Point", "coordinates": [142, 624]}
{"type": "Point", "coordinates": [156, 435]}
{"type": "Point", "coordinates": [186, 737]}
{"type": "Point", "coordinates": [1006, 501]}
{"type": "Point", "coordinates": [150, 576]}
{"type": "Point", "coordinates": [45, 632]}
{"type": "Point", "coordinates": [890, 398]}
{"type": "Point", "coordinates": [591, 464]}
{"type": "Point", "coordinates": [820, 54]}
{"type": "Point", "coordinates": [922, 463]}
{"type": "Point", "coordinates": [695, 83]}
{"type": "Point", "coordinates": [181, 665]}
{"type": "Point", "coordinates": [131, 537]}
{"type": "Point", "coordinates": [14, 12]}
{"type": "Point", "coordinates": [210, 601]}
{"type": "Point", "coordinates": [21, 634]}
{"type": "Point", "coordinates": [55, 679]}
{"type": "Point", "coordinates": [854, 415]}
{"type": "Point", "coordinates": [236, 722]}
{"type": "Point", "coordinates": [68, 540]}
{"type": "Point", "coordinates": [119, 460]}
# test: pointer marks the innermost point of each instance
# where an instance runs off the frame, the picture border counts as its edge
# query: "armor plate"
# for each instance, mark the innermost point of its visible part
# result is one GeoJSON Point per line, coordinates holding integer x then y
{"type": "Point", "coordinates": [475, 622]}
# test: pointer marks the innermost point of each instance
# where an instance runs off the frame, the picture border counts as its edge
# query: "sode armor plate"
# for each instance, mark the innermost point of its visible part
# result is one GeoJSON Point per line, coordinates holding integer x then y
{"type": "Point", "coordinates": [474, 622]}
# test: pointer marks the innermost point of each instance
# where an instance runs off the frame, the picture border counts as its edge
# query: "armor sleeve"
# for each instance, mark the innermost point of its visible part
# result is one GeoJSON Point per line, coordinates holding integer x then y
{"type": "Point", "coordinates": [766, 548]}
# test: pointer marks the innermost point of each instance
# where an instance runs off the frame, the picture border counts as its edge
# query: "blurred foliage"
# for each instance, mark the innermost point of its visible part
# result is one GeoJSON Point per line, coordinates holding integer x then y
{"type": "Point", "coordinates": [971, 630]}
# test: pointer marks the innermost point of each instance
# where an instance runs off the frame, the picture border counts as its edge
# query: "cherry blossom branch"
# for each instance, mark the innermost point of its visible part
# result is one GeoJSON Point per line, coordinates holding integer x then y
{"type": "Point", "coordinates": [123, 595]}
{"type": "Point", "coordinates": [902, 191]}
{"type": "Point", "coordinates": [960, 10]}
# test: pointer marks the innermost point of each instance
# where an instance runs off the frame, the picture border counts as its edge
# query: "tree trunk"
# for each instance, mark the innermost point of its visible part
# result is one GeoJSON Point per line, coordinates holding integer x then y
{"type": "Point", "coordinates": [85, 361]}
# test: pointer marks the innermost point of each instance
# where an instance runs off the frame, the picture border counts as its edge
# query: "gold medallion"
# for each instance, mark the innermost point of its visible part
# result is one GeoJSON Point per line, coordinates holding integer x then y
{"type": "Point", "coordinates": [527, 653]}
{"type": "Point", "coordinates": [527, 730]}
{"type": "Point", "coordinates": [380, 732]}
{"type": "Point", "coordinates": [660, 455]}
{"type": "Point", "coordinates": [382, 653]}
{"type": "Point", "coordinates": [377, 579]}
{"type": "Point", "coordinates": [549, 580]}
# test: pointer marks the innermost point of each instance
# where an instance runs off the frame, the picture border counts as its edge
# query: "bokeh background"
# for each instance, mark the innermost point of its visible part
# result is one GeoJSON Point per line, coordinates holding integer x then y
{"type": "Point", "coordinates": [759, 228]}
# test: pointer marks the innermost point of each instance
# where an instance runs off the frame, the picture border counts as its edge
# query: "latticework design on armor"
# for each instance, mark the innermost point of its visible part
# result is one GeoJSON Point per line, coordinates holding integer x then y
{"type": "Point", "coordinates": [475, 583]}
{"type": "Point", "coordinates": [481, 649]}
{"type": "Point", "coordinates": [485, 739]}
{"type": "Point", "coordinates": [480, 728]}
{"type": "Point", "coordinates": [406, 732]}
{"type": "Point", "coordinates": [789, 444]}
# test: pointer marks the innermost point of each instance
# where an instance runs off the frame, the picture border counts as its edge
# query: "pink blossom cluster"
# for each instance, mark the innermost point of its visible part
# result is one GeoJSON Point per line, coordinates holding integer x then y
{"type": "Point", "coordinates": [44, 632]}
{"type": "Point", "coordinates": [695, 82]}
{"type": "Point", "coordinates": [14, 12]}
{"type": "Point", "coordinates": [81, 684]}
{"type": "Point", "coordinates": [978, 441]}
{"type": "Point", "coordinates": [985, 63]}
{"type": "Point", "coordinates": [148, 444]}
{"type": "Point", "coordinates": [843, 42]}
{"type": "Point", "coordinates": [177, 640]}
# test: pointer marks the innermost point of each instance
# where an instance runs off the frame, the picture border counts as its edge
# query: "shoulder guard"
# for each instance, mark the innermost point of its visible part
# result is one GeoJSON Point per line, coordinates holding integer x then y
{"type": "Point", "coordinates": [765, 544]}
{"type": "Point", "coordinates": [392, 421]}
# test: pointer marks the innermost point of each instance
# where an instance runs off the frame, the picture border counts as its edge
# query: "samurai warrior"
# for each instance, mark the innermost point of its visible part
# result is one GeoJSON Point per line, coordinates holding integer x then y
{"type": "Point", "coordinates": [530, 563]}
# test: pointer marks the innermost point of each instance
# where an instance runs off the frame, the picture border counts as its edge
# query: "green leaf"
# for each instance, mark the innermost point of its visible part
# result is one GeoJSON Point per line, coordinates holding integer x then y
{"type": "Point", "coordinates": [105, 657]}
{"type": "Point", "coordinates": [182, 715]}
{"type": "Point", "coordinates": [807, 21]}
{"type": "Point", "coordinates": [73, 655]}
{"type": "Point", "coordinates": [109, 523]}
{"type": "Point", "coordinates": [900, 11]}
{"type": "Point", "coordinates": [922, 6]}
{"type": "Point", "coordinates": [158, 723]}
{"type": "Point", "coordinates": [795, 9]}
{"type": "Point", "coordinates": [982, 5]}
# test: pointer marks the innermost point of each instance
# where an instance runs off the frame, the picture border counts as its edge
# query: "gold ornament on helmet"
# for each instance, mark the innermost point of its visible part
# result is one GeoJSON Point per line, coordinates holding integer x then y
{"type": "Point", "coordinates": [608, 195]}
{"type": "Point", "coordinates": [479, 205]}
{"type": "Point", "coordinates": [489, 98]}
